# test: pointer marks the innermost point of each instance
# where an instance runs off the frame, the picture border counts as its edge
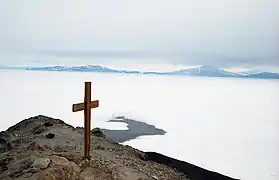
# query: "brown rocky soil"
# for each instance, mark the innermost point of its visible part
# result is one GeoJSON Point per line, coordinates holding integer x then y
{"type": "Point", "coordinates": [43, 148]}
{"type": "Point", "coordinates": [48, 149]}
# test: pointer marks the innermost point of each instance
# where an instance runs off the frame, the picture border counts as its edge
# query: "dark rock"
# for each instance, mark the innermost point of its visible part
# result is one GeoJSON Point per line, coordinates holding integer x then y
{"type": "Point", "coordinates": [5, 135]}
{"type": "Point", "coordinates": [100, 147]}
{"type": "Point", "coordinates": [27, 124]}
{"type": "Point", "coordinates": [36, 147]}
{"type": "Point", "coordinates": [50, 136]}
{"type": "Point", "coordinates": [192, 171]}
{"type": "Point", "coordinates": [63, 148]}
{"type": "Point", "coordinates": [5, 144]}
{"type": "Point", "coordinates": [142, 156]}
{"type": "Point", "coordinates": [48, 124]}
{"type": "Point", "coordinates": [16, 169]}
{"type": "Point", "coordinates": [4, 164]}
{"type": "Point", "coordinates": [3, 141]}
{"type": "Point", "coordinates": [97, 132]}
{"type": "Point", "coordinates": [39, 129]}
{"type": "Point", "coordinates": [80, 130]}
{"type": "Point", "coordinates": [5, 147]}
{"type": "Point", "coordinates": [18, 142]}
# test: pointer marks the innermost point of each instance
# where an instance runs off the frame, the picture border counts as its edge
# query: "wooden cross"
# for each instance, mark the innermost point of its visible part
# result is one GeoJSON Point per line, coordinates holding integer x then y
{"type": "Point", "coordinates": [86, 106]}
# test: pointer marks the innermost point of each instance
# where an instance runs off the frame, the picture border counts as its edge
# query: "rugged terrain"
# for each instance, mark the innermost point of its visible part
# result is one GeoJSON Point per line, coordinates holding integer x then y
{"type": "Point", "coordinates": [49, 149]}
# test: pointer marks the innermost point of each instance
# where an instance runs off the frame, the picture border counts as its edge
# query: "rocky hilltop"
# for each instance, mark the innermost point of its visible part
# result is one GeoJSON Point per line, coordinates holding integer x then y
{"type": "Point", "coordinates": [44, 148]}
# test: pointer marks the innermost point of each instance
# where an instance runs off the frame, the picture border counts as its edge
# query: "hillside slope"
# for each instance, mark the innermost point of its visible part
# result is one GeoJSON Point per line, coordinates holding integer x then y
{"type": "Point", "coordinates": [49, 149]}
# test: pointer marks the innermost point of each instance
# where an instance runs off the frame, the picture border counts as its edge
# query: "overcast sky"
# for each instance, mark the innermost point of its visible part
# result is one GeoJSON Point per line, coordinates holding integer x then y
{"type": "Point", "coordinates": [216, 32]}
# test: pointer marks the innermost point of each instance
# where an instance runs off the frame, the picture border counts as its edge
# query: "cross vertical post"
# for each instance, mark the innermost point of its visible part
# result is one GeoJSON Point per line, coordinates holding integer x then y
{"type": "Point", "coordinates": [86, 106]}
{"type": "Point", "coordinates": [87, 119]}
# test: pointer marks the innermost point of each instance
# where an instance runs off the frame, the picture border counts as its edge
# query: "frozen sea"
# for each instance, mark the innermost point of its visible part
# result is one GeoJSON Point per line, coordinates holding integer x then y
{"type": "Point", "coordinates": [222, 124]}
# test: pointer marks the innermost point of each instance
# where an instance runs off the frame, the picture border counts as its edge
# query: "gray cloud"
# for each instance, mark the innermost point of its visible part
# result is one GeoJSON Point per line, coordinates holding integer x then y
{"type": "Point", "coordinates": [222, 33]}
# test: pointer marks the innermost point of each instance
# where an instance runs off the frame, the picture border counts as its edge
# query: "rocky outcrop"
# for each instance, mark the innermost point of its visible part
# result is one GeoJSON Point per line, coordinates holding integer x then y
{"type": "Point", "coordinates": [97, 132]}
{"type": "Point", "coordinates": [43, 148]}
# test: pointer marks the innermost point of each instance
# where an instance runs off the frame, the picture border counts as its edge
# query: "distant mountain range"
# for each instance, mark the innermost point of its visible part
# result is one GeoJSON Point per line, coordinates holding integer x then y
{"type": "Point", "coordinates": [210, 71]}
{"type": "Point", "coordinates": [207, 71]}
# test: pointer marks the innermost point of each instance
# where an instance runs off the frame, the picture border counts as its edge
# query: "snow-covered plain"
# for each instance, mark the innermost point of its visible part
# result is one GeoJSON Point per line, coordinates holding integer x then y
{"type": "Point", "coordinates": [225, 125]}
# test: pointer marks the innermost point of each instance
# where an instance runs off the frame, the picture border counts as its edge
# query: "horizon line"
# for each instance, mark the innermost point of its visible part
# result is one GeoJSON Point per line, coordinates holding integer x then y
{"type": "Point", "coordinates": [131, 69]}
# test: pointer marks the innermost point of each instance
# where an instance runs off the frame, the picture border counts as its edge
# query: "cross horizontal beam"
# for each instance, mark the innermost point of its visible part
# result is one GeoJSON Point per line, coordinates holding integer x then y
{"type": "Point", "coordinates": [81, 106]}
